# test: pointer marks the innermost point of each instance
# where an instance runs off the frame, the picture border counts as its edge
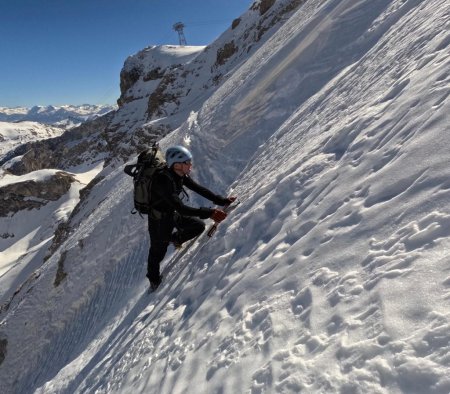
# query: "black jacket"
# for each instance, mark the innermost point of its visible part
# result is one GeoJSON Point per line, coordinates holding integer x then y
{"type": "Point", "coordinates": [167, 186]}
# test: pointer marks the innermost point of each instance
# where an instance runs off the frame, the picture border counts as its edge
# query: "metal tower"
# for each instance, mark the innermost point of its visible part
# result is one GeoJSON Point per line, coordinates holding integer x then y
{"type": "Point", "coordinates": [178, 27]}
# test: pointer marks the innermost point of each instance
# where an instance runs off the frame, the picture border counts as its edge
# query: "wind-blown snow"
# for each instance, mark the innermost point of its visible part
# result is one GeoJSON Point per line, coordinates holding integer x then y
{"type": "Point", "coordinates": [332, 276]}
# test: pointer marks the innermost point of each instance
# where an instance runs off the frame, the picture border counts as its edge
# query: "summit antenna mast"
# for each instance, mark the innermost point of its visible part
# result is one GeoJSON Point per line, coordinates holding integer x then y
{"type": "Point", "coordinates": [178, 27]}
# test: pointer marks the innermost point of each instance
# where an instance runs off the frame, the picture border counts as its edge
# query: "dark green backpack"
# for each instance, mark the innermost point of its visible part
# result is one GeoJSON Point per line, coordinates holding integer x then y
{"type": "Point", "coordinates": [148, 163]}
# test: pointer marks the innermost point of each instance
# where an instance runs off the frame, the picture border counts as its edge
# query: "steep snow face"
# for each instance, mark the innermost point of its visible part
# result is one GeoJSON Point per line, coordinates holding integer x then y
{"type": "Point", "coordinates": [332, 276]}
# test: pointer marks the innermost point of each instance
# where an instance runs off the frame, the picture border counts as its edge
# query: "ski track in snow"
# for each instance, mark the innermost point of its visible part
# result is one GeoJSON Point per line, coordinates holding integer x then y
{"type": "Point", "coordinates": [332, 276]}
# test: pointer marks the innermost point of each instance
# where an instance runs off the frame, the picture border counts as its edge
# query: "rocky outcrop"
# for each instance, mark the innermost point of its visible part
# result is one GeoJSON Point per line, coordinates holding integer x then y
{"type": "Point", "coordinates": [128, 77]}
{"type": "Point", "coordinates": [269, 21]}
{"type": "Point", "coordinates": [124, 146]}
{"type": "Point", "coordinates": [263, 6]}
{"type": "Point", "coordinates": [63, 229]}
{"type": "Point", "coordinates": [224, 53]}
{"type": "Point", "coordinates": [60, 273]}
{"type": "Point", "coordinates": [143, 72]}
{"type": "Point", "coordinates": [161, 96]}
{"type": "Point", "coordinates": [153, 75]}
{"type": "Point", "coordinates": [39, 156]}
{"type": "Point", "coordinates": [3, 345]}
{"type": "Point", "coordinates": [31, 194]}
{"type": "Point", "coordinates": [74, 147]}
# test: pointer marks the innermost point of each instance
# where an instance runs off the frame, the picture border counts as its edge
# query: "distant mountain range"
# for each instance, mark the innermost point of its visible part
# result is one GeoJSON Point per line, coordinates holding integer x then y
{"type": "Point", "coordinates": [64, 115]}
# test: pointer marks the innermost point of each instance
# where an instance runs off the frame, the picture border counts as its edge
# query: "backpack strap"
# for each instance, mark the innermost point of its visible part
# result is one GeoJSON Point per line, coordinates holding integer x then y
{"type": "Point", "coordinates": [164, 171]}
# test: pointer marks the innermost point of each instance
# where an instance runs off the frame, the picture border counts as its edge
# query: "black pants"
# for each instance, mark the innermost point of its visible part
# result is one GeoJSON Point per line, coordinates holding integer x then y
{"type": "Point", "coordinates": [161, 235]}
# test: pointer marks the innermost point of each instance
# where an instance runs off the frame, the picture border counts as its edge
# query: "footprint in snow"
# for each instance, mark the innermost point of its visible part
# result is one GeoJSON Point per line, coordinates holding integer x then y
{"type": "Point", "coordinates": [386, 158]}
{"type": "Point", "coordinates": [394, 256]}
{"type": "Point", "coordinates": [446, 283]}
{"type": "Point", "coordinates": [370, 319]}
{"type": "Point", "coordinates": [301, 305]}
{"type": "Point", "coordinates": [262, 380]}
{"type": "Point", "coordinates": [252, 334]}
{"type": "Point", "coordinates": [346, 289]}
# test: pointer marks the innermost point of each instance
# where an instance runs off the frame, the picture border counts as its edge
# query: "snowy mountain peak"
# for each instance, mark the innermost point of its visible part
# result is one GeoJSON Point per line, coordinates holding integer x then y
{"type": "Point", "coordinates": [162, 56]}
{"type": "Point", "coordinates": [149, 67]}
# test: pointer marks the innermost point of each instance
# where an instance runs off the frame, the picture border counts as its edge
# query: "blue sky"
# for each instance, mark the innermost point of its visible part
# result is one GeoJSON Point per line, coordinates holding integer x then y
{"type": "Point", "coordinates": [71, 51]}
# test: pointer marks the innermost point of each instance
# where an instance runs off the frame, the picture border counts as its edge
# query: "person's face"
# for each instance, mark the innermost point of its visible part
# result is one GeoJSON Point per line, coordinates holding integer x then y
{"type": "Point", "coordinates": [184, 168]}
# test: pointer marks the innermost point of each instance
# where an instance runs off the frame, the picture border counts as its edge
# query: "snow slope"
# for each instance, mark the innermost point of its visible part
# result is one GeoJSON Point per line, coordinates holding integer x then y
{"type": "Point", "coordinates": [15, 134]}
{"type": "Point", "coordinates": [26, 236]}
{"type": "Point", "coordinates": [332, 276]}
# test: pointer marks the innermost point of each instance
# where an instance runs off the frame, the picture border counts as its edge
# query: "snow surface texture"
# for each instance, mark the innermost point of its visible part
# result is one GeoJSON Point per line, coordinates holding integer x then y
{"type": "Point", "coordinates": [332, 276]}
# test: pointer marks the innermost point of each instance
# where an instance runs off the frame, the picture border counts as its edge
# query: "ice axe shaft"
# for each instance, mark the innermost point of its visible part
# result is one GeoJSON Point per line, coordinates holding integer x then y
{"type": "Point", "coordinates": [227, 208]}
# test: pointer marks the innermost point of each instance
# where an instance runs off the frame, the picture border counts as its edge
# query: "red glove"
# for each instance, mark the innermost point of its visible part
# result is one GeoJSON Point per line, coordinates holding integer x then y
{"type": "Point", "coordinates": [218, 215]}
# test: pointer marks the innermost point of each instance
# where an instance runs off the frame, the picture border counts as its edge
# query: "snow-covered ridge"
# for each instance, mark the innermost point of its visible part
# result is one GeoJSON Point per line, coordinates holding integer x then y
{"type": "Point", "coordinates": [161, 57]}
{"type": "Point", "coordinates": [332, 276]}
